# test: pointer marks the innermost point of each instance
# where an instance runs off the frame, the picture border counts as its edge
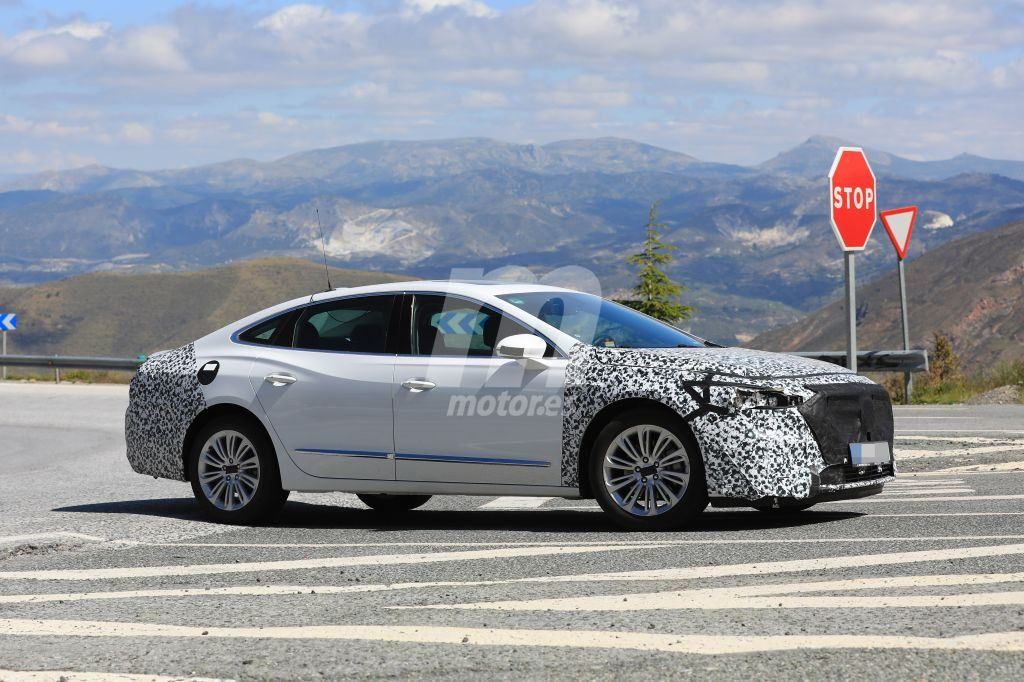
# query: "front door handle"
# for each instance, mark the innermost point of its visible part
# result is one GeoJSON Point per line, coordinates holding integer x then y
{"type": "Point", "coordinates": [280, 379]}
{"type": "Point", "coordinates": [418, 384]}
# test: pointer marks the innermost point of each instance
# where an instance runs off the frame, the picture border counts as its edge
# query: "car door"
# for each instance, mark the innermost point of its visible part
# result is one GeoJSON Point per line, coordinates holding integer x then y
{"type": "Point", "coordinates": [328, 393]}
{"type": "Point", "coordinates": [462, 414]}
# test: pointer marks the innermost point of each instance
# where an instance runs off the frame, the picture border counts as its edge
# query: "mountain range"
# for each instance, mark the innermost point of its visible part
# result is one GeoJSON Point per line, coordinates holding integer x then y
{"type": "Point", "coordinates": [754, 243]}
{"type": "Point", "coordinates": [971, 290]}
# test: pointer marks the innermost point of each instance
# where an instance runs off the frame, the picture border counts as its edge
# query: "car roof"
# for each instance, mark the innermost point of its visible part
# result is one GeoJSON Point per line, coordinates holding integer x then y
{"type": "Point", "coordinates": [482, 288]}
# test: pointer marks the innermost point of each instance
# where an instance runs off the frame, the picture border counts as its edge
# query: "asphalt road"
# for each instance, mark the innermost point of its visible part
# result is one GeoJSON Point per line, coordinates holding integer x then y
{"type": "Point", "coordinates": [105, 572]}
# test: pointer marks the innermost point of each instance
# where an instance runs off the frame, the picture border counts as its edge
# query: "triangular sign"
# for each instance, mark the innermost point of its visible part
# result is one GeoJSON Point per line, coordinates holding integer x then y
{"type": "Point", "coordinates": [899, 223]}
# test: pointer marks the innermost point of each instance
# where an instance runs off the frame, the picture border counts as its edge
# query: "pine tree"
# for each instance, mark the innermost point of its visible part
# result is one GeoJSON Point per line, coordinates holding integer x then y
{"type": "Point", "coordinates": [655, 294]}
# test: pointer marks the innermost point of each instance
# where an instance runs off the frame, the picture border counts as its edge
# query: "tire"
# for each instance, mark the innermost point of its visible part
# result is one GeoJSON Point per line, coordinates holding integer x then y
{"type": "Point", "coordinates": [226, 455]}
{"type": "Point", "coordinates": [679, 476]}
{"type": "Point", "coordinates": [393, 504]}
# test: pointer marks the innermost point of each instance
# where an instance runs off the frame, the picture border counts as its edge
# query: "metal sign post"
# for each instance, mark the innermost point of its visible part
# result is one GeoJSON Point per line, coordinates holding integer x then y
{"type": "Point", "coordinates": [899, 224]}
{"type": "Point", "coordinates": [851, 309]}
{"type": "Point", "coordinates": [908, 378]}
{"type": "Point", "coordinates": [852, 195]}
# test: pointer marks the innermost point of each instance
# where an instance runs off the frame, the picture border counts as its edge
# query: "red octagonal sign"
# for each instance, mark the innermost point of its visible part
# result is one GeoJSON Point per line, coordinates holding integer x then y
{"type": "Point", "coordinates": [853, 198]}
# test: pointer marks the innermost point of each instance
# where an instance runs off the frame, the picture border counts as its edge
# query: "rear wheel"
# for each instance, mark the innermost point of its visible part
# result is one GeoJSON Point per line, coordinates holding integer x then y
{"type": "Point", "coordinates": [393, 504]}
{"type": "Point", "coordinates": [234, 472]}
{"type": "Point", "coordinates": [647, 473]}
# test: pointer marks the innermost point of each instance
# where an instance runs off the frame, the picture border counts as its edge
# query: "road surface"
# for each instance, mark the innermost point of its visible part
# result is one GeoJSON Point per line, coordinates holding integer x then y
{"type": "Point", "coordinates": [106, 572]}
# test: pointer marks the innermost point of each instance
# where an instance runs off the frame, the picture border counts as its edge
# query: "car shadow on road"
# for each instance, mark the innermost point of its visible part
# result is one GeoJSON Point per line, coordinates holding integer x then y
{"type": "Point", "coordinates": [304, 515]}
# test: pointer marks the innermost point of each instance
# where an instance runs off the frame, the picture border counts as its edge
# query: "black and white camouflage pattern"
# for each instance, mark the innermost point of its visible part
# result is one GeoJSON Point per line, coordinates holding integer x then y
{"type": "Point", "coordinates": [750, 454]}
{"type": "Point", "coordinates": [164, 398]}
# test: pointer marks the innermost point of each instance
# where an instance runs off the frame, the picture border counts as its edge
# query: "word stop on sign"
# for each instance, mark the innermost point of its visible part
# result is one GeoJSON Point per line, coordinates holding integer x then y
{"type": "Point", "coordinates": [853, 197]}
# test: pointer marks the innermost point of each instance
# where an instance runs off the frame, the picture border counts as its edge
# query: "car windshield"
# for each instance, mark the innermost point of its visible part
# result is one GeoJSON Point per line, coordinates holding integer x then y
{"type": "Point", "coordinates": [598, 322]}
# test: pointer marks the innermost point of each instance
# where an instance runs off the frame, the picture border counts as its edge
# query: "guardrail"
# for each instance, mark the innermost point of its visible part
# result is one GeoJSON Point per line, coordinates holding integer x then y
{"type": "Point", "coordinates": [59, 362]}
{"type": "Point", "coordinates": [876, 360]}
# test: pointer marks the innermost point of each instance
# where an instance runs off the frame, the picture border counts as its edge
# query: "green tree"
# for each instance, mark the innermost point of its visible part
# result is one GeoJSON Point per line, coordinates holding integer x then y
{"type": "Point", "coordinates": [655, 293]}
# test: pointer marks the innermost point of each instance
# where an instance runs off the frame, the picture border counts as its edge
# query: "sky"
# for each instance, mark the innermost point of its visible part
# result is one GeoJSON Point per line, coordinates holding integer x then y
{"type": "Point", "coordinates": [161, 84]}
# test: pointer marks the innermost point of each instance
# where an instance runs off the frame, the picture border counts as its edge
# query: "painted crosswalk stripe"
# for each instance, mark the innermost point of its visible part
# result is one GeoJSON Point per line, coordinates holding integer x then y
{"type": "Point", "coordinates": [770, 596]}
{"type": "Point", "coordinates": [938, 498]}
{"type": "Point", "coordinates": [509, 503]}
{"type": "Point", "coordinates": [308, 564]}
{"type": "Point", "coordinates": [935, 491]}
{"type": "Point", "coordinates": [713, 644]}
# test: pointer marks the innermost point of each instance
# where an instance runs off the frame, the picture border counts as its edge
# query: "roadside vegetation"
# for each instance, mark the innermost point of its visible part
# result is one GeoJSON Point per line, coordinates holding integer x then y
{"type": "Point", "coordinates": [946, 382]}
{"type": "Point", "coordinates": [655, 293]}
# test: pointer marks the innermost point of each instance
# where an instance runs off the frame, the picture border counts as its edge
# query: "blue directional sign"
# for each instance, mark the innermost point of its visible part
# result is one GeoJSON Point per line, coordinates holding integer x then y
{"type": "Point", "coordinates": [8, 322]}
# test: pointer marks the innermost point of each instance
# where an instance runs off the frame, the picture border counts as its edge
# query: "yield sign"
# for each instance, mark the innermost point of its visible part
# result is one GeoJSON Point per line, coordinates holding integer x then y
{"type": "Point", "coordinates": [852, 195]}
{"type": "Point", "coordinates": [899, 223]}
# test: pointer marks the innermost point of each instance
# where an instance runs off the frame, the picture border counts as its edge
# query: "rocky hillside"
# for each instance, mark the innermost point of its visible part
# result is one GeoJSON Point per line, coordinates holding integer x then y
{"type": "Point", "coordinates": [754, 243]}
{"type": "Point", "coordinates": [122, 315]}
{"type": "Point", "coordinates": [971, 289]}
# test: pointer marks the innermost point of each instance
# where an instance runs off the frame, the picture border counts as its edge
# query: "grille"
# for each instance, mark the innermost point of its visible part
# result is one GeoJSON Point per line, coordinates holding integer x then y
{"type": "Point", "coordinates": [840, 414]}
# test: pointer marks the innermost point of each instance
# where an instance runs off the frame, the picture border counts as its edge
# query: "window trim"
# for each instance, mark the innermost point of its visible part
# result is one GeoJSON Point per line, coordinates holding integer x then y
{"type": "Point", "coordinates": [407, 313]}
{"type": "Point", "coordinates": [297, 312]}
{"type": "Point", "coordinates": [402, 314]}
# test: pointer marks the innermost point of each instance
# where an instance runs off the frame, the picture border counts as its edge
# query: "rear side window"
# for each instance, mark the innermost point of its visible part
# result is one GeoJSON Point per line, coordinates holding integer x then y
{"type": "Point", "coordinates": [353, 325]}
{"type": "Point", "coordinates": [273, 332]}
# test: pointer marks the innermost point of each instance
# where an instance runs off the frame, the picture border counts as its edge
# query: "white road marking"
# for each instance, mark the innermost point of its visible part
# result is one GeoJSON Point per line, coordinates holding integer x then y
{"type": "Point", "coordinates": [909, 431]}
{"type": "Point", "coordinates": [882, 499]}
{"type": "Point", "coordinates": [963, 439]}
{"type": "Point", "coordinates": [791, 566]}
{"type": "Point", "coordinates": [582, 639]}
{"type": "Point", "coordinates": [924, 482]}
{"type": "Point", "coordinates": [897, 516]}
{"type": "Point", "coordinates": [75, 676]}
{"type": "Point", "coordinates": [299, 564]}
{"type": "Point", "coordinates": [509, 503]}
{"type": "Point", "coordinates": [36, 537]}
{"type": "Point", "coordinates": [957, 452]}
{"type": "Point", "coordinates": [980, 468]}
{"type": "Point", "coordinates": [775, 596]}
{"type": "Point", "coordinates": [617, 543]}
{"type": "Point", "coordinates": [929, 491]}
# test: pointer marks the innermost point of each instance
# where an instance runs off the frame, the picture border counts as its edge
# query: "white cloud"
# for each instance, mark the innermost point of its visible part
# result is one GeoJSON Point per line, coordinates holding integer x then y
{"type": "Point", "coordinates": [136, 133]}
{"type": "Point", "coordinates": [473, 8]}
{"type": "Point", "coordinates": [727, 80]}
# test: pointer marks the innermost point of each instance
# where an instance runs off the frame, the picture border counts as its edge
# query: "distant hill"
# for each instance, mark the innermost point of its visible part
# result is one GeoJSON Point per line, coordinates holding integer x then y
{"type": "Point", "coordinates": [813, 158]}
{"type": "Point", "coordinates": [755, 246]}
{"type": "Point", "coordinates": [122, 315]}
{"type": "Point", "coordinates": [972, 289]}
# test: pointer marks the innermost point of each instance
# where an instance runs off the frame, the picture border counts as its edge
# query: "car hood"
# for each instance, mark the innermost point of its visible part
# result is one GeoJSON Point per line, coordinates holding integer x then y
{"type": "Point", "coordinates": [737, 362]}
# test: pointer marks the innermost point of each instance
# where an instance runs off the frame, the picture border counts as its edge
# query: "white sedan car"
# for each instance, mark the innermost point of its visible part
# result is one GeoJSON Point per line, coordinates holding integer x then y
{"type": "Point", "coordinates": [397, 392]}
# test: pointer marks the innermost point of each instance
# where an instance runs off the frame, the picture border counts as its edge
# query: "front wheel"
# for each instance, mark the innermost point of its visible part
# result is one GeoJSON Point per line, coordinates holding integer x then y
{"type": "Point", "coordinates": [392, 504]}
{"type": "Point", "coordinates": [234, 472]}
{"type": "Point", "coordinates": [647, 472]}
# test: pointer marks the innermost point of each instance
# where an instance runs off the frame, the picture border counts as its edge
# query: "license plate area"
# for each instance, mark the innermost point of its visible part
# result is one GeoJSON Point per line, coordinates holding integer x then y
{"type": "Point", "coordinates": [868, 454]}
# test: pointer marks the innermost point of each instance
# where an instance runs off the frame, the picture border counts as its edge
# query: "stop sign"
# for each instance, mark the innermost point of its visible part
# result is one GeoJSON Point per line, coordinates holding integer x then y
{"type": "Point", "coordinates": [852, 197]}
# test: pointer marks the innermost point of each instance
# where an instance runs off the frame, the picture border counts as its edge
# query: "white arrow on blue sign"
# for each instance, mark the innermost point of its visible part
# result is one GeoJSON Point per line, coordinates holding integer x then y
{"type": "Point", "coordinates": [8, 322]}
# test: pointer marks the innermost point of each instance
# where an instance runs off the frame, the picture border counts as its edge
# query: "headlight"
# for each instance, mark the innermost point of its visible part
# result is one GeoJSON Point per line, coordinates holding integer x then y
{"type": "Point", "coordinates": [747, 399]}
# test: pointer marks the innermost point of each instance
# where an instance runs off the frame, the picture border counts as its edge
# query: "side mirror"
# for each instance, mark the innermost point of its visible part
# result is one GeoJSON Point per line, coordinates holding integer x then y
{"type": "Point", "coordinates": [522, 347]}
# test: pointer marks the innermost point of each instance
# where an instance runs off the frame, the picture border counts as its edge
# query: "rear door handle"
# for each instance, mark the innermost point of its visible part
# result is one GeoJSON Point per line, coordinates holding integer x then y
{"type": "Point", "coordinates": [280, 379]}
{"type": "Point", "coordinates": [418, 384]}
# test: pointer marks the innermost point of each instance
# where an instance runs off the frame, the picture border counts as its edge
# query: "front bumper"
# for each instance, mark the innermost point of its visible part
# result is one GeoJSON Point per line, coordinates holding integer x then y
{"type": "Point", "coordinates": [835, 416]}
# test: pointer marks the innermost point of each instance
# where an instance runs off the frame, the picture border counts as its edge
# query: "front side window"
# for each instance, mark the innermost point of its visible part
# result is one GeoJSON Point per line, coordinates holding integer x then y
{"type": "Point", "coordinates": [450, 326]}
{"type": "Point", "coordinates": [598, 322]}
{"type": "Point", "coordinates": [353, 325]}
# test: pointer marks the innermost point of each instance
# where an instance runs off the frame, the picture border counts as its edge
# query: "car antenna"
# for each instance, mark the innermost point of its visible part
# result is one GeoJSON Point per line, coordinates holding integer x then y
{"type": "Point", "coordinates": [323, 246]}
